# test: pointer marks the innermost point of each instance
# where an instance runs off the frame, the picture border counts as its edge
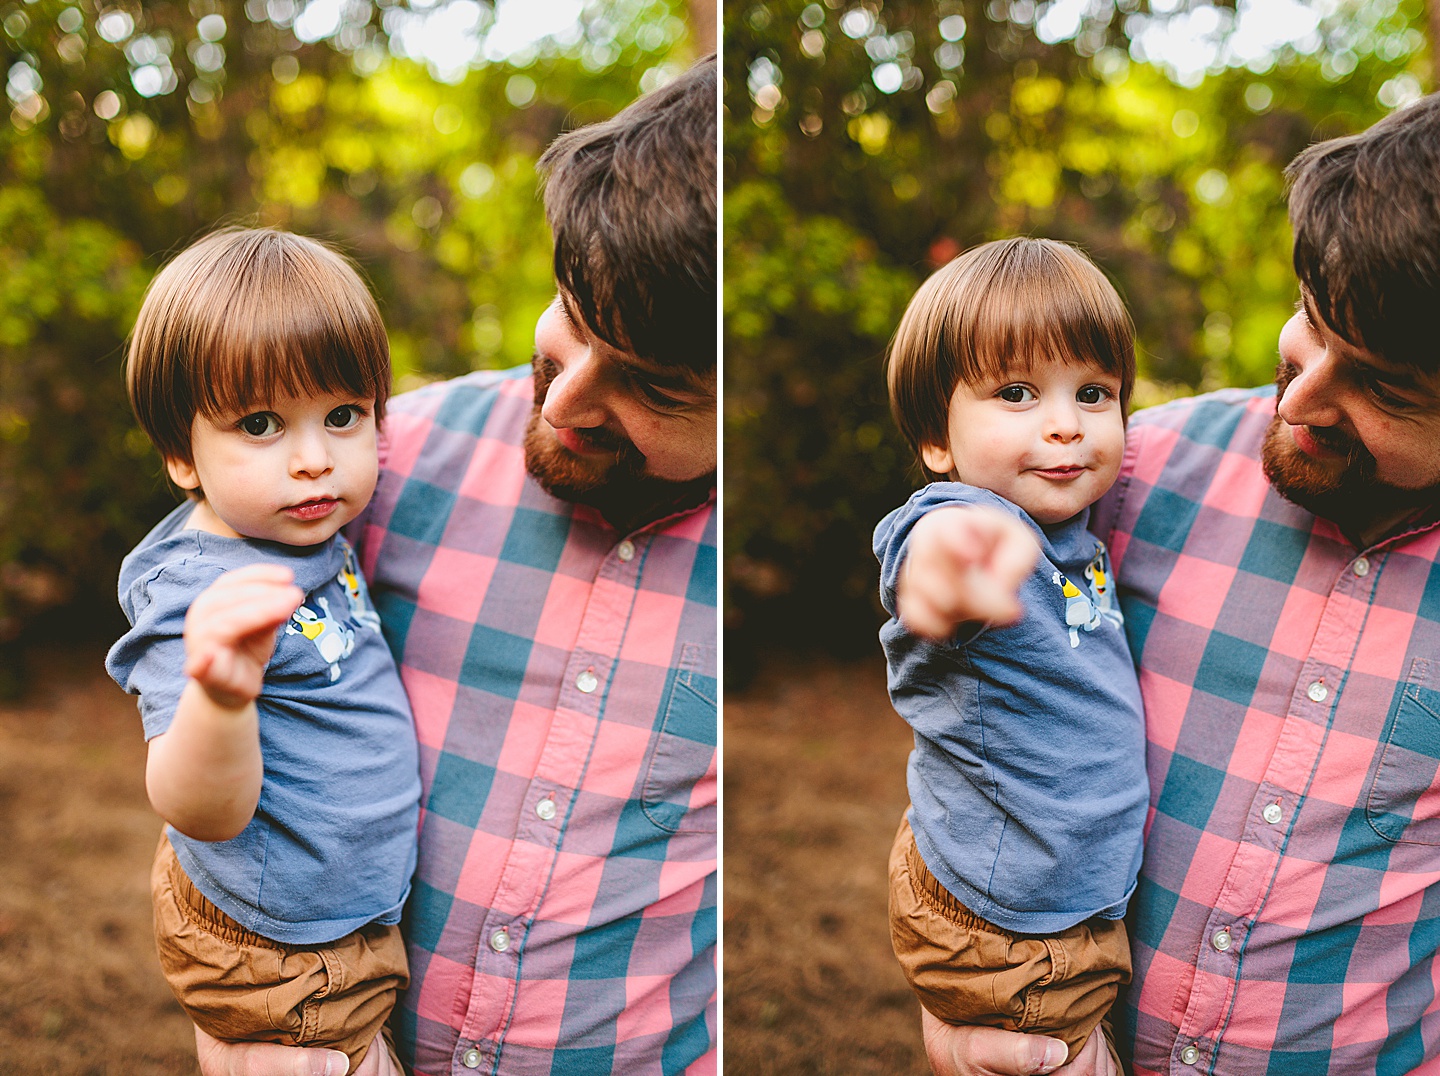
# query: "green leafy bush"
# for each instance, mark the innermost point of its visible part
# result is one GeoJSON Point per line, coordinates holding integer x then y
{"type": "Point", "coordinates": [868, 144]}
{"type": "Point", "coordinates": [135, 128]}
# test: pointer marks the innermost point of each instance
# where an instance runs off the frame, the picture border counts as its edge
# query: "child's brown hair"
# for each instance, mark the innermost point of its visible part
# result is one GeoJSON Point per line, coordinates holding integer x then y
{"type": "Point", "coordinates": [246, 314]}
{"type": "Point", "coordinates": [995, 309]}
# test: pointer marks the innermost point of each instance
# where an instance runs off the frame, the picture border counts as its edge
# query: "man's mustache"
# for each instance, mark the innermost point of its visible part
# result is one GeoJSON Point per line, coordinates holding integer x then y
{"type": "Point", "coordinates": [1327, 437]}
{"type": "Point", "coordinates": [546, 371]}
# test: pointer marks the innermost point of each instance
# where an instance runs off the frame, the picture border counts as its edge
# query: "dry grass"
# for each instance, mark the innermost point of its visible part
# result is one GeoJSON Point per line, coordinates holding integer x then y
{"type": "Point", "coordinates": [814, 788]}
{"type": "Point", "coordinates": [80, 987]}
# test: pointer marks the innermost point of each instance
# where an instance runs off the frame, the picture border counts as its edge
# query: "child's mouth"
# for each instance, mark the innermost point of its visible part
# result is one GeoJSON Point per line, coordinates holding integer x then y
{"type": "Point", "coordinates": [312, 510]}
{"type": "Point", "coordinates": [1059, 472]}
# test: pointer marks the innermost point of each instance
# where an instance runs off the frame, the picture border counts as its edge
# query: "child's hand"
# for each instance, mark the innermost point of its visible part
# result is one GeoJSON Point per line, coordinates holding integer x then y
{"type": "Point", "coordinates": [231, 627]}
{"type": "Point", "coordinates": [963, 564]}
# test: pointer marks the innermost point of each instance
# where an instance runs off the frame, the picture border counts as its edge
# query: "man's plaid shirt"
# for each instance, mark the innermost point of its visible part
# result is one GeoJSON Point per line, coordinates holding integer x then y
{"type": "Point", "coordinates": [564, 687]}
{"type": "Point", "coordinates": [1288, 911]}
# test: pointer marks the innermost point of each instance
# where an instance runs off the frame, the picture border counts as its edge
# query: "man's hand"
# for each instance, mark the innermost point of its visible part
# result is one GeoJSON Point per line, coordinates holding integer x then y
{"type": "Point", "coordinates": [230, 631]}
{"type": "Point", "coordinates": [269, 1059]}
{"type": "Point", "coordinates": [989, 1051]}
{"type": "Point", "coordinates": [963, 564]}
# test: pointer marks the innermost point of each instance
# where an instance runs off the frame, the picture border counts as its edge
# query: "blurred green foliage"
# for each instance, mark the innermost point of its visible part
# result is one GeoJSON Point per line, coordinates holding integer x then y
{"type": "Point", "coordinates": [868, 142]}
{"type": "Point", "coordinates": [134, 126]}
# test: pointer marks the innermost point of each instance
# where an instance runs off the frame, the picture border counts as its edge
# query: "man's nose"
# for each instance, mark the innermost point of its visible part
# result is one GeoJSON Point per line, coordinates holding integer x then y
{"type": "Point", "coordinates": [1311, 398]}
{"type": "Point", "coordinates": [575, 398]}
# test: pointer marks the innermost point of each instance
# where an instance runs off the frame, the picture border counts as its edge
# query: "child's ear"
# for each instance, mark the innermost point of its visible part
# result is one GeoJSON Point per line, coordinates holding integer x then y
{"type": "Point", "coordinates": [937, 458]}
{"type": "Point", "coordinates": [183, 474]}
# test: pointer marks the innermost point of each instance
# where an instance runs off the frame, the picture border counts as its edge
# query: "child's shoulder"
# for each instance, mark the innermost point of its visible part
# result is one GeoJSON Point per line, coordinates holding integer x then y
{"type": "Point", "coordinates": [177, 560]}
{"type": "Point", "coordinates": [959, 494]}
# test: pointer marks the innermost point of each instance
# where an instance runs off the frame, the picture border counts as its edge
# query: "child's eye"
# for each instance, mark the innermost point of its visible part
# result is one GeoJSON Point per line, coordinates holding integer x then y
{"type": "Point", "coordinates": [1093, 394]}
{"type": "Point", "coordinates": [1016, 394]}
{"type": "Point", "coordinates": [260, 424]}
{"type": "Point", "coordinates": [344, 417]}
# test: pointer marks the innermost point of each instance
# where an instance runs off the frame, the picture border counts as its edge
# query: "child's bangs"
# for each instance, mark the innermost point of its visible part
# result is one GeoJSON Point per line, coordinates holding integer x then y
{"type": "Point", "coordinates": [298, 327]}
{"type": "Point", "coordinates": [243, 372]}
{"type": "Point", "coordinates": [1040, 307]}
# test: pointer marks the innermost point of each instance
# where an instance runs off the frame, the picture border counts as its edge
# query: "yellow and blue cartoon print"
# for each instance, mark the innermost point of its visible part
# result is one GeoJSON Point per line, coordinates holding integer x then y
{"type": "Point", "coordinates": [333, 638]}
{"type": "Point", "coordinates": [360, 608]}
{"type": "Point", "coordinates": [1089, 611]}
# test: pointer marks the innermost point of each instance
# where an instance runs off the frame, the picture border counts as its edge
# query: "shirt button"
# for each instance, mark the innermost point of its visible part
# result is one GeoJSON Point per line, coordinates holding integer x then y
{"type": "Point", "coordinates": [1190, 1054]}
{"type": "Point", "coordinates": [626, 551]}
{"type": "Point", "coordinates": [500, 940]}
{"type": "Point", "coordinates": [1361, 566]}
{"type": "Point", "coordinates": [1221, 940]}
{"type": "Point", "coordinates": [545, 809]}
{"type": "Point", "coordinates": [587, 681]}
{"type": "Point", "coordinates": [1271, 813]}
{"type": "Point", "coordinates": [470, 1058]}
{"type": "Point", "coordinates": [1318, 692]}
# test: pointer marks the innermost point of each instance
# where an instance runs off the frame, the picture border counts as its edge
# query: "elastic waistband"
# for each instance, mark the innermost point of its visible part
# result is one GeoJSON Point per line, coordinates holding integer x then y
{"type": "Point", "coordinates": [944, 902]}
{"type": "Point", "coordinates": [203, 913]}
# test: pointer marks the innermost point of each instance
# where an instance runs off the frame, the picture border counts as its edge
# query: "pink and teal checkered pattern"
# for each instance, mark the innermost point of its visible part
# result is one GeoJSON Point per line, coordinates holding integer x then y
{"type": "Point", "coordinates": [1288, 912]}
{"type": "Point", "coordinates": [564, 687]}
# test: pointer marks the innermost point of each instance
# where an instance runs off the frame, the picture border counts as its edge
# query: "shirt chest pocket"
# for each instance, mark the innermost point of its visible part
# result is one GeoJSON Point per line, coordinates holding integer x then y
{"type": "Point", "coordinates": [1403, 803]}
{"type": "Point", "coordinates": [679, 790]}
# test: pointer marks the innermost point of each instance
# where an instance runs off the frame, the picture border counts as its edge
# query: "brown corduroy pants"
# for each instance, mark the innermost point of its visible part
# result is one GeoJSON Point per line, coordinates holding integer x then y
{"type": "Point", "coordinates": [969, 971]}
{"type": "Point", "coordinates": [240, 986]}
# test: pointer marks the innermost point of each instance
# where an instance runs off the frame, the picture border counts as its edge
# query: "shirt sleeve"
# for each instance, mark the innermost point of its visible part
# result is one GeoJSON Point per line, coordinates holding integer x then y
{"type": "Point", "coordinates": [893, 533]}
{"type": "Point", "coordinates": [149, 659]}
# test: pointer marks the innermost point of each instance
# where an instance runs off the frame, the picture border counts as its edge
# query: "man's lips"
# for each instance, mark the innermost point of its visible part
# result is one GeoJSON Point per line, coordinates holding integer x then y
{"type": "Point", "coordinates": [578, 441]}
{"type": "Point", "coordinates": [1309, 444]}
{"type": "Point", "coordinates": [318, 508]}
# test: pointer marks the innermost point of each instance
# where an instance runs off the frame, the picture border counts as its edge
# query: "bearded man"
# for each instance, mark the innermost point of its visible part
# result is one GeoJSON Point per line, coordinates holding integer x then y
{"type": "Point", "coordinates": [1278, 554]}
{"type": "Point", "coordinates": [541, 549]}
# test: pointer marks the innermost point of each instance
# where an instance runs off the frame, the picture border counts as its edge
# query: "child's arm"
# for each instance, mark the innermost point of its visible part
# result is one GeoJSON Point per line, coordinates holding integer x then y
{"type": "Point", "coordinates": [203, 773]}
{"type": "Point", "coordinates": [963, 564]}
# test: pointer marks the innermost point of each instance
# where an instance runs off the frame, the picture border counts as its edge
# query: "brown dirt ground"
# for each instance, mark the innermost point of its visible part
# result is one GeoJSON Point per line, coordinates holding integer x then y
{"type": "Point", "coordinates": [80, 986]}
{"type": "Point", "coordinates": [814, 788]}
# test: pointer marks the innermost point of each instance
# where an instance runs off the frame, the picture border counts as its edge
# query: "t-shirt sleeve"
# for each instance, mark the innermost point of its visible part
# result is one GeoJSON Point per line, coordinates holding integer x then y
{"type": "Point", "coordinates": [893, 532]}
{"type": "Point", "coordinates": [149, 659]}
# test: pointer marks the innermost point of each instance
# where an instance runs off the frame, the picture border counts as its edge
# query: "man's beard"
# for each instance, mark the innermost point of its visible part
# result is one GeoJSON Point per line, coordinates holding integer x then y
{"type": "Point", "coordinates": [615, 484]}
{"type": "Point", "coordinates": [1350, 495]}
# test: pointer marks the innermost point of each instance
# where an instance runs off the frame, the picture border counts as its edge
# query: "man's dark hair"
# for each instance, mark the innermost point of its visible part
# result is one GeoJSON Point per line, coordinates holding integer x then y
{"type": "Point", "coordinates": [632, 204]}
{"type": "Point", "coordinates": [1366, 215]}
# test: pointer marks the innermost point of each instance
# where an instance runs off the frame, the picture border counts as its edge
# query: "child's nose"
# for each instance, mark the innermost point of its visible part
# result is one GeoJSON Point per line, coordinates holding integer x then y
{"type": "Point", "coordinates": [311, 457]}
{"type": "Point", "coordinates": [1063, 424]}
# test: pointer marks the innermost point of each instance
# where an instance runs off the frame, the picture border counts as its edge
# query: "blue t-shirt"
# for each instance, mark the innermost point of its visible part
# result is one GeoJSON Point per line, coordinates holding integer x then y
{"type": "Point", "coordinates": [332, 844]}
{"type": "Point", "coordinates": [1027, 783]}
